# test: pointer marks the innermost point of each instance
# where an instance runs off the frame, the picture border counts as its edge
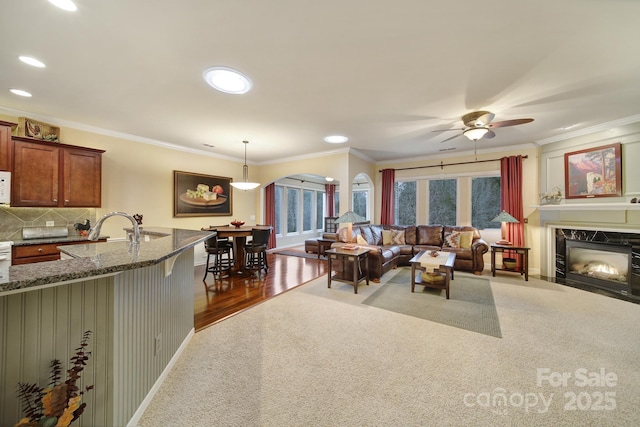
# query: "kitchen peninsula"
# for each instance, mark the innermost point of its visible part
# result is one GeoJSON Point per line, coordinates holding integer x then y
{"type": "Point", "coordinates": [136, 299]}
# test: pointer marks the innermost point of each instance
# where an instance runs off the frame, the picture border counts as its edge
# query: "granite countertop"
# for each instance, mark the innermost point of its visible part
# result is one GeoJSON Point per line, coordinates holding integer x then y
{"type": "Point", "coordinates": [72, 237]}
{"type": "Point", "coordinates": [94, 259]}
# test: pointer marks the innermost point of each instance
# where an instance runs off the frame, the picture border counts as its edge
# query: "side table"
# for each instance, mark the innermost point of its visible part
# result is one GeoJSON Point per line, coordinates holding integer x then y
{"type": "Point", "coordinates": [354, 265]}
{"type": "Point", "coordinates": [523, 252]}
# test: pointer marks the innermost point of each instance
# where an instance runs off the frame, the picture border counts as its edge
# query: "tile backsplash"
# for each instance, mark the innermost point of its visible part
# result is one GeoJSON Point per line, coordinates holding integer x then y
{"type": "Point", "coordinates": [13, 219]}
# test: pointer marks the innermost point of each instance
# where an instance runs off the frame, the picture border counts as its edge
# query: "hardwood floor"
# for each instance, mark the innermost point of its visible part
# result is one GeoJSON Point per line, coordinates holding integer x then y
{"type": "Point", "coordinates": [228, 296]}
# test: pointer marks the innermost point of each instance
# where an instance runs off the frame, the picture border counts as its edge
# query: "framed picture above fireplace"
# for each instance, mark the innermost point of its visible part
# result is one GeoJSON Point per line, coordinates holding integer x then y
{"type": "Point", "coordinates": [594, 172]}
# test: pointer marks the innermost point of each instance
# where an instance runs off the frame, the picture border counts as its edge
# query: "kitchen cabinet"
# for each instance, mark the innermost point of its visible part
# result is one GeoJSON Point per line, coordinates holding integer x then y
{"type": "Point", "coordinates": [6, 146]}
{"type": "Point", "coordinates": [28, 254]}
{"type": "Point", "coordinates": [49, 174]}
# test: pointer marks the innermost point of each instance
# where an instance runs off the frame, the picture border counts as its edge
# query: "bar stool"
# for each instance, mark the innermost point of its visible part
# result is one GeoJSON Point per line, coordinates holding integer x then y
{"type": "Point", "coordinates": [256, 250]}
{"type": "Point", "coordinates": [222, 252]}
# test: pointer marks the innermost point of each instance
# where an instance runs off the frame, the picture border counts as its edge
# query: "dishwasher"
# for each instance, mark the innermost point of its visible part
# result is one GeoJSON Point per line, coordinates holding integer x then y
{"type": "Point", "coordinates": [5, 261]}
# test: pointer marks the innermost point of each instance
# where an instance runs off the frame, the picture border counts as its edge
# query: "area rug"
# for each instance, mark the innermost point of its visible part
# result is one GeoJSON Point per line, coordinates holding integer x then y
{"type": "Point", "coordinates": [471, 305]}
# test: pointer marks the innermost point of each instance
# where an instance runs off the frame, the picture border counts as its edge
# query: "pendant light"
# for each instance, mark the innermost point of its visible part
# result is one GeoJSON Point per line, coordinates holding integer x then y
{"type": "Point", "coordinates": [245, 184]}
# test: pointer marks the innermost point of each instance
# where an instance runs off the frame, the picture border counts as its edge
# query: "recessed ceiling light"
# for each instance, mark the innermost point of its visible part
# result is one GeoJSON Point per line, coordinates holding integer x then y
{"type": "Point", "coordinates": [31, 61]}
{"type": "Point", "coordinates": [336, 139]}
{"type": "Point", "coordinates": [67, 5]}
{"type": "Point", "coordinates": [227, 80]}
{"type": "Point", "coordinates": [20, 92]}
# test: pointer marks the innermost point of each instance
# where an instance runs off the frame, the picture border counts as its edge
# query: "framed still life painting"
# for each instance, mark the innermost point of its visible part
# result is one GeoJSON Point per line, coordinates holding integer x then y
{"type": "Point", "coordinates": [594, 172]}
{"type": "Point", "coordinates": [201, 195]}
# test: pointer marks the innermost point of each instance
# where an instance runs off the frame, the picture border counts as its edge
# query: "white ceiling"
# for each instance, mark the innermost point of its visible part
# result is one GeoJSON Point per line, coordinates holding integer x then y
{"type": "Point", "coordinates": [384, 73]}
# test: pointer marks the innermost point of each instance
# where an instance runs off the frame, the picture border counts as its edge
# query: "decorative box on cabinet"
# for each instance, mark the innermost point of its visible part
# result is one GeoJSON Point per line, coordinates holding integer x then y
{"type": "Point", "coordinates": [55, 175]}
{"type": "Point", "coordinates": [6, 147]}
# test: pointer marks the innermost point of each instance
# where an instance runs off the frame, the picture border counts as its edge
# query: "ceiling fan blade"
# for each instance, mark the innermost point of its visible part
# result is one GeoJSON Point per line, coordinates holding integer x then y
{"type": "Point", "coordinates": [451, 137]}
{"type": "Point", "coordinates": [447, 130]}
{"type": "Point", "coordinates": [506, 123]}
{"type": "Point", "coordinates": [489, 134]}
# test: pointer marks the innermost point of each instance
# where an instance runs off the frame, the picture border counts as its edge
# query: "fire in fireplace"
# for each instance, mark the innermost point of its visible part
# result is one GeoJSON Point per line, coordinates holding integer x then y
{"type": "Point", "coordinates": [601, 264]}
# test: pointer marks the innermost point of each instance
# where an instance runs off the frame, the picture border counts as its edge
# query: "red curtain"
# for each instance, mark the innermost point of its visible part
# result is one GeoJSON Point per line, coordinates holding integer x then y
{"type": "Point", "coordinates": [330, 195]}
{"type": "Point", "coordinates": [511, 197]}
{"type": "Point", "coordinates": [388, 196]}
{"type": "Point", "coordinates": [270, 211]}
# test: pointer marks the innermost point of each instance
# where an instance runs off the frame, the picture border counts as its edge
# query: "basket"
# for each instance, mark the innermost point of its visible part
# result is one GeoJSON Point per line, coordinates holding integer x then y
{"type": "Point", "coordinates": [510, 263]}
{"type": "Point", "coordinates": [39, 130]}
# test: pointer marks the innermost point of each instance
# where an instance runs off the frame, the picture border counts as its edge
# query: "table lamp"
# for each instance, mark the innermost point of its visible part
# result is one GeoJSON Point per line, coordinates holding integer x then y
{"type": "Point", "coordinates": [349, 217]}
{"type": "Point", "coordinates": [504, 217]}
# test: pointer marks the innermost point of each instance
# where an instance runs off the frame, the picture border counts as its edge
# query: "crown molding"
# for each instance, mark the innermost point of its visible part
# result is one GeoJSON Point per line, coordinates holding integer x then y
{"type": "Point", "coordinates": [590, 130]}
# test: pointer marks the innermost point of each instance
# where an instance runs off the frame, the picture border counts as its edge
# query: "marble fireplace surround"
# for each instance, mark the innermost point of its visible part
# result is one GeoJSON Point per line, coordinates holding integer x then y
{"type": "Point", "coordinates": [612, 222]}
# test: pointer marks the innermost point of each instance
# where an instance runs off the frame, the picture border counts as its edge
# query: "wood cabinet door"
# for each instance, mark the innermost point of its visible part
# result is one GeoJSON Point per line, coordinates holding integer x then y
{"type": "Point", "coordinates": [5, 147]}
{"type": "Point", "coordinates": [35, 174]}
{"type": "Point", "coordinates": [82, 177]}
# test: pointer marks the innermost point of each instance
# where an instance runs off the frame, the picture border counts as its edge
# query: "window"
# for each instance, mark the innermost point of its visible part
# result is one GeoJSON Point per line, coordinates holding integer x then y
{"type": "Point", "coordinates": [485, 201]}
{"type": "Point", "coordinates": [405, 202]}
{"type": "Point", "coordinates": [307, 210]}
{"type": "Point", "coordinates": [319, 209]}
{"type": "Point", "coordinates": [278, 202]}
{"type": "Point", "coordinates": [442, 201]}
{"type": "Point", "coordinates": [360, 202]}
{"type": "Point", "coordinates": [336, 203]}
{"type": "Point", "coordinates": [293, 209]}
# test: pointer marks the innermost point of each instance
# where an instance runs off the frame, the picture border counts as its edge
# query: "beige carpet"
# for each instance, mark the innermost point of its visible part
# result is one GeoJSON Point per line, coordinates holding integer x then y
{"type": "Point", "coordinates": [319, 357]}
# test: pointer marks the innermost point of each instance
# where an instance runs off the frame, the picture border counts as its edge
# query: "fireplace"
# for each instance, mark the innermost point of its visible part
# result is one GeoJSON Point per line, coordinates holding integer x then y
{"type": "Point", "coordinates": [606, 260]}
{"type": "Point", "coordinates": [606, 265]}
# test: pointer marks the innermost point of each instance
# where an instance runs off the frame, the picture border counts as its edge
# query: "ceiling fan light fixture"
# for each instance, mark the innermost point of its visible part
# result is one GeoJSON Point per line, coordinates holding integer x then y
{"type": "Point", "coordinates": [227, 80]}
{"type": "Point", "coordinates": [475, 133]}
{"type": "Point", "coordinates": [245, 184]}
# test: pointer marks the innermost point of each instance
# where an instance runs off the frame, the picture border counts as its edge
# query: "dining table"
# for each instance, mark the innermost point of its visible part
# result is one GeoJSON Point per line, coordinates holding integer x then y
{"type": "Point", "coordinates": [239, 236]}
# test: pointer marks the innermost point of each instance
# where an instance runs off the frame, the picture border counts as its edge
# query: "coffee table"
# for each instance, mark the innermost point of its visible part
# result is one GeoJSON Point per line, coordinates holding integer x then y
{"type": "Point", "coordinates": [354, 265]}
{"type": "Point", "coordinates": [441, 268]}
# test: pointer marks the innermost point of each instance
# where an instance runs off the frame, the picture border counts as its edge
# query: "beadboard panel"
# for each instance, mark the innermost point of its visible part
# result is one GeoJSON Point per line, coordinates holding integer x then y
{"type": "Point", "coordinates": [39, 326]}
{"type": "Point", "coordinates": [125, 312]}
{"type": "Point", "coordinates": [156, 306]}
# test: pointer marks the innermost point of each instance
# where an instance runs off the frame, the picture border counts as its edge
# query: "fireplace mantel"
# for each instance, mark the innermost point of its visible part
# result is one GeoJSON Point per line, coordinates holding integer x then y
{"type": "Point", "coordinates": [589, 207]}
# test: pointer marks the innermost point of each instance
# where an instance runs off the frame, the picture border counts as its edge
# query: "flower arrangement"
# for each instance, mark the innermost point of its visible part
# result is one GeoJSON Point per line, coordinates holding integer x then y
{"type": "Point", "coordinates": [57, 405]}
{"type": "Point", "coordinates": [552, 198]}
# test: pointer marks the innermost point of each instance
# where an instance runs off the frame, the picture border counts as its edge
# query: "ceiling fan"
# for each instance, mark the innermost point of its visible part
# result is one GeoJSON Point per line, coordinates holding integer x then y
{"type": "Point", "coordinates": [478, 125]}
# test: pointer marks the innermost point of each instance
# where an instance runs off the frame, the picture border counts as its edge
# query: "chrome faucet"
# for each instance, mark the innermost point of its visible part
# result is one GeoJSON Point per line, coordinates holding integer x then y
{"type": "Point", "coordinates": [95, 231]}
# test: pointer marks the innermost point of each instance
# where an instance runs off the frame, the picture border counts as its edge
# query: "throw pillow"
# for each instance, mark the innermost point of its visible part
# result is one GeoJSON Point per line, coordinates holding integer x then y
{"type": "Point", "coordinates": [360, 240]}
{"type": "Point", "coordinates": [466, 238]}
{"type": "Point", "coordinates": [452, 240]}
{"type": "Point", "coordinates": [397, 237]}
{"type": "Point", "coordinates": [386, 237]}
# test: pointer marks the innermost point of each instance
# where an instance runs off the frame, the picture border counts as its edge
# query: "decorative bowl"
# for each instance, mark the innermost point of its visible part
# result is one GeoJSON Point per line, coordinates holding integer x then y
{"type": "Point", "coordinates": [237, 224]}
{"type": "Point", "coordinates": [434, 253]}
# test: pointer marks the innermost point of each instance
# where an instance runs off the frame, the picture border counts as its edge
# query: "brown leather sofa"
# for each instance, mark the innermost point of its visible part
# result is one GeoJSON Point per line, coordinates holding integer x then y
{"type": "Point", "coordinates": [383, 257]}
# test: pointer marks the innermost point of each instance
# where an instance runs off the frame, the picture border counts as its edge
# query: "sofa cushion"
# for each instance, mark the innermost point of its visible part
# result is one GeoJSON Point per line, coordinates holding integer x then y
{"type": "Point", "coordinates": [397, 237]}
{"type": "Point", "coordinates": [366, 232]}
{"type": "Point", "coordinates": [361, 240]}
{"type": "Point", "coordinates": [430, 235]}
{"type": "Point", "coordinates": [376, 231]}
{"type": "Point", "coordinates": [410, 235]}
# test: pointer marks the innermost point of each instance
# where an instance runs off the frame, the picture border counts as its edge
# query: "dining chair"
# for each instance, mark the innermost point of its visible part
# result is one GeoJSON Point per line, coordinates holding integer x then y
{"type": "Point", "coordinates": [223, 258]}
{"type": "Point", "coordinates": [256, 250]}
